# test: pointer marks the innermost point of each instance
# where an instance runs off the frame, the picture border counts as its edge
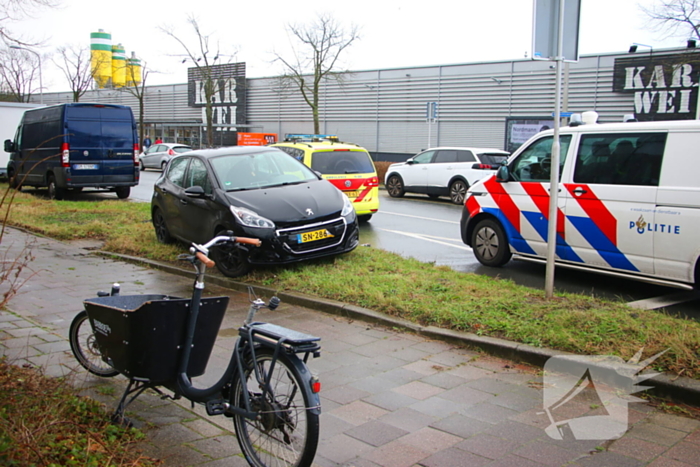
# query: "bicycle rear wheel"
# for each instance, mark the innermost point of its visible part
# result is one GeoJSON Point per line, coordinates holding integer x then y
{"type": "Point", "coordinates": [286, 431]}
{"type": "Point", "coordinates": [84, 347]}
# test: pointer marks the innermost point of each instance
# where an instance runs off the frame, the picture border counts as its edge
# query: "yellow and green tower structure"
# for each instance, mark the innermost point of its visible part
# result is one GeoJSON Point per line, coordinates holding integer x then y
{"type": "Point", "coordinates": [101, 58]}
{"type": "Point", "coordinates": [118, 66]}
{"type": "Point", "coordinates": [133, 70]}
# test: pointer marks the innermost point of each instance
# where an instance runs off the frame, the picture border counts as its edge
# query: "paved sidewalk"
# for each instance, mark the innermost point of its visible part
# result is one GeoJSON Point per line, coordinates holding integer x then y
{"type": "Point", "coordinates": [389, 398]}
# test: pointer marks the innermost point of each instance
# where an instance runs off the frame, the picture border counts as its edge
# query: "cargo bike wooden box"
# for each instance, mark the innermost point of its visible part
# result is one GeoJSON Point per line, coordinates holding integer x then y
{"type": "Point", "coordinates": [142, 336]}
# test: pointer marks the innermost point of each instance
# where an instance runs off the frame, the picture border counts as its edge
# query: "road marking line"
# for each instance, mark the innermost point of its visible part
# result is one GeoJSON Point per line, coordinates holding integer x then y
{"type": "Point", "coordinates": [428, 239]}
{"type": "Point", "coordinates": [419, 217]}
{"type": "Point", "coordinates": [664, 301]}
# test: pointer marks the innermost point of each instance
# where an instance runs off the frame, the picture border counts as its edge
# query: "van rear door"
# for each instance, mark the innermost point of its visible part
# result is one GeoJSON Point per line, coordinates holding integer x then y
{"type": "Point", "coordinates": [101, 140]}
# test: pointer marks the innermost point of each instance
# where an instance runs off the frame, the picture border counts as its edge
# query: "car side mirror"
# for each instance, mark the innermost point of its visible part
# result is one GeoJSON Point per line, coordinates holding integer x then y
{"type": "Point", "coordinates": [502, 174]}
{"type": "Point", "coordinates": [9, 146]}
{"type": "Point", "coordinates": [195, 192]}
{"type": "Point", "coordinates": [410, 162]}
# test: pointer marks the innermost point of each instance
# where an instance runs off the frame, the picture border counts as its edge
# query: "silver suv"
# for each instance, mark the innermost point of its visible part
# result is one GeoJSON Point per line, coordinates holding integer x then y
{"type": "Point", "coordinates": [443, 171]}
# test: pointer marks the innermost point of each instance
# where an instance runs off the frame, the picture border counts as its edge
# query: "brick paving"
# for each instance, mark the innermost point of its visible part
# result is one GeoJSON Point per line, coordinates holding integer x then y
{"type": "Point", "coordinates": [389, 398]}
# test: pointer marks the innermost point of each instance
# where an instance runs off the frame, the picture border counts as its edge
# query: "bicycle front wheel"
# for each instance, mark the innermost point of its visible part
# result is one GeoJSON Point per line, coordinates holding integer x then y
{"type": "Point", "coordinates": [285, 432]}
{"type": "Point", "coordinates": [84, 347]}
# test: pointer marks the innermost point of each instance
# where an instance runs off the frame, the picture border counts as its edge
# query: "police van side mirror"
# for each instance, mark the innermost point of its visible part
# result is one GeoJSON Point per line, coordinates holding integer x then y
{"type": "Point", "coordinates": [9, 146]}
{"type": "Point", "coordinates": [502, 174]}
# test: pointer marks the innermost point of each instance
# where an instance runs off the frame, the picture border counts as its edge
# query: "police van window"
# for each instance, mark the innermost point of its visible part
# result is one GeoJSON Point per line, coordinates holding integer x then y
{"type": "Point", "coordinates": [620, 159]}
{"type": "Point", "coordinates": [446, 155]}
{"type": "Point", "coordinates": [534, 163]}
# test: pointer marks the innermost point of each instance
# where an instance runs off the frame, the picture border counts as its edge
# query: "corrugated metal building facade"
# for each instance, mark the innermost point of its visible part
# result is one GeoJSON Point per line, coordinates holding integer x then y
{"type": "Point", "coordinates": [385, 110]}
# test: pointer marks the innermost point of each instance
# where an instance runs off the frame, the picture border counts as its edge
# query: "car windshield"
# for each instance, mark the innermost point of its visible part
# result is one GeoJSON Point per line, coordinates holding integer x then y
{"type": "Point", "coordinates": [342, 162]}
{"type": "Point", "coordinates": [492, 158]}
{"type": "Point", "coordinates": [260, 170]}
{"type": "Point", "coordinates": [179, 149]}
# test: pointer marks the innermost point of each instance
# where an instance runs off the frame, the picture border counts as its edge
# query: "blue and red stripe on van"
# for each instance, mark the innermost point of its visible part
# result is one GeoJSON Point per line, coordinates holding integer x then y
{"type": "Point", "coordinates": [599, 229]}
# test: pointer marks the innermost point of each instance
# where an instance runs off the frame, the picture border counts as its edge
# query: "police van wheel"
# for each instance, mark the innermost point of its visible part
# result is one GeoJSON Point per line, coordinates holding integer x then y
{"type": "Point", "coordinates": [54, 191]}
{"type": "Point", "coordinates": [489, 244]}
{"type": "Point", "coordinates": [123, 192]}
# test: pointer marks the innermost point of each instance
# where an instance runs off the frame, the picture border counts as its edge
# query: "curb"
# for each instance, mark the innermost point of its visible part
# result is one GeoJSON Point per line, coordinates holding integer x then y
{"type": "Point", "coordinates": [679, 388]}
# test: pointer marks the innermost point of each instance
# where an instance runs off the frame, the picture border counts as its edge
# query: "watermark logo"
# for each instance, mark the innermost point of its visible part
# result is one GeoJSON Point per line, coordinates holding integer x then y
{"type": "Point", "coordinates": [587, 397]}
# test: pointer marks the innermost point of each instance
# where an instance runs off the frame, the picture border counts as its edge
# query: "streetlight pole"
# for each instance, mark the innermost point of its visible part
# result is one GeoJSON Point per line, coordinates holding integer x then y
{"type": "Point", "coordinates": [41, 84]}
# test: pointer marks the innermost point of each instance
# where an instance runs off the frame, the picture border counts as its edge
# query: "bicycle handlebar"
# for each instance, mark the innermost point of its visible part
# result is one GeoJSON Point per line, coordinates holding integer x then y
{"type": "Point", "coordinates": [201, 252]}
{"type": "Point", "coordinates": [205, 259]}
{"type": "Point", "coordinates": [249, 241]}
{"type": "Point", "coordinates": [231, 238]}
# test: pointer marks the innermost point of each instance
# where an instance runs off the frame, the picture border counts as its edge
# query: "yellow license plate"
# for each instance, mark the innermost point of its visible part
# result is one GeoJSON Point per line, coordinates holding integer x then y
{"type": "Point", "coordinates": [313, 236]}
{"type": "Point", "coordinates": [352, 194]}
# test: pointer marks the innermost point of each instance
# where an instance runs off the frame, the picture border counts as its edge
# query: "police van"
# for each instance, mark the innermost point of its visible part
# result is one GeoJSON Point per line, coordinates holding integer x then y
{"type": "Point", "coordinates": [628, 202]}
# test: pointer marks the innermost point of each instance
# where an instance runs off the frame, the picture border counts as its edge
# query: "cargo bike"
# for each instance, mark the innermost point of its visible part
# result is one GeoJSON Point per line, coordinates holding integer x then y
{"type": "Point", "coordinates": [162, 342]}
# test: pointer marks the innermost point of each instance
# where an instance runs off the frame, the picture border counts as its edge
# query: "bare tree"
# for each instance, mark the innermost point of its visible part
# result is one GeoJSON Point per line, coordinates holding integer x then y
{"type": "Point", "coordinates": [136, 86]}
{"type": "Point", "coordinates": [74, 61]}
{"type": "Point", "coordinates": [18, 69]}
{"type": "Point", "coordinates": [203, 58]}
{"type": "Point", "coordinates": [16, 10]}
{"type": "Point", "coordinates": [676, 17]}
{"type": "Point", "coordinates": [322, 43]}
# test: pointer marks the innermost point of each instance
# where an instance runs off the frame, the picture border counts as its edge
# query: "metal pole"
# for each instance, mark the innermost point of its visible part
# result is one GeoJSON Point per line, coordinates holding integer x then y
{"type": "Point", "coordinates": [41, 84]}
{"type": "Point", "coordinates": [554, 176]}
{"type": "Point", "coordinates": [429, 131]}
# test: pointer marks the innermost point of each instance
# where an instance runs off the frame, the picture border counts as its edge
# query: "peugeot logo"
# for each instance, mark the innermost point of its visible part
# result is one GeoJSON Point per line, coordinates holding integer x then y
{"type": "Point", "coordinates": [348, 183]}
{"type": "Point", "coordinates": [309, 212]}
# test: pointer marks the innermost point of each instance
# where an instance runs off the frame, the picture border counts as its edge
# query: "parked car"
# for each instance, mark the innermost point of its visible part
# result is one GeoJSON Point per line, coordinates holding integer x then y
{"type": "Point", "coordinates": [253, 191]}
{"type": "Point", "coordinates": [347, 166]}
{"type": "Point", "coordinates": [443, 172]}
{"type": "Point", "coordinates": [158, 155]}
{"type": "Point", "coordinates": [74, 146]}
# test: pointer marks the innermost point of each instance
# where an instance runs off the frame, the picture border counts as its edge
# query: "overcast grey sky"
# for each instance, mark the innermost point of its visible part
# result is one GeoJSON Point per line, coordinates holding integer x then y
{"type": "Point", "coordinates": [394, 33]}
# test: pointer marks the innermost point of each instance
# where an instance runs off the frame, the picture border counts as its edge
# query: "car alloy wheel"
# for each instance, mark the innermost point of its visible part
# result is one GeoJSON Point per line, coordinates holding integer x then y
{"type": "Point", "coordinates": [395, 186]}
{"type": "Point", "coordinates": [458, 190]}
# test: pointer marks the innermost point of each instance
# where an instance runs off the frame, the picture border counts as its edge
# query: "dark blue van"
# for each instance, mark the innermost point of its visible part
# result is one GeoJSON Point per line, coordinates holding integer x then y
{"type": "Point", "coordinates": [75, 146]}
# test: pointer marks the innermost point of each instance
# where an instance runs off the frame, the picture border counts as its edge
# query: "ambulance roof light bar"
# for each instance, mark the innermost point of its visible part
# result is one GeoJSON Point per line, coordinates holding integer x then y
{"type": "Point", "coordinates": [309, 137]}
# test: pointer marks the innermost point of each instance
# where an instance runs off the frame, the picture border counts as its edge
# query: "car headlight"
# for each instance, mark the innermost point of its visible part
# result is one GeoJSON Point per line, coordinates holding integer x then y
{"type": "Point", "coordinates": [250, 218]}
{"type": "Point", "coordinates": [347, 206]}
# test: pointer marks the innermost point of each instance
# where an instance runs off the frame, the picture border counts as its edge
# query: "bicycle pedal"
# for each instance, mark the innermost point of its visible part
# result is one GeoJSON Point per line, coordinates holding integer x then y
{"type": "Point", "coordinates": [216, 407]}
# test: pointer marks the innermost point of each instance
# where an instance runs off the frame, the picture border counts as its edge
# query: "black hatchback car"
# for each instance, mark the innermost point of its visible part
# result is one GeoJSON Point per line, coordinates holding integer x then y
{"type": "Point", "coordinates": [258, 192]}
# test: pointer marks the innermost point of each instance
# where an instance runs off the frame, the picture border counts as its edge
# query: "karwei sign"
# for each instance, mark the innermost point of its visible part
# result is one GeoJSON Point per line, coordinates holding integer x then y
{"type": "Point", "coordinates": [665, 87]}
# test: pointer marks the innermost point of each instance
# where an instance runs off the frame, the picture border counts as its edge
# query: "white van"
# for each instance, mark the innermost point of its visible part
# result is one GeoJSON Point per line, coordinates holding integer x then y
{"type": "Point", "coordinates": [628, 200]}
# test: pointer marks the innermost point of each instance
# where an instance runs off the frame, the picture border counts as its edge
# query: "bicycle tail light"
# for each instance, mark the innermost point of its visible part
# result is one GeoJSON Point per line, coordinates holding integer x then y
{"type": "Point", "coordinates": [315, 385]}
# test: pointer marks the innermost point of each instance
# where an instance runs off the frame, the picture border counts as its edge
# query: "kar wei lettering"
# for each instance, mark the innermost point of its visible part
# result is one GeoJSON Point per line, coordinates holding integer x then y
{"type": "Point", "coordinates": [661, 89]}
